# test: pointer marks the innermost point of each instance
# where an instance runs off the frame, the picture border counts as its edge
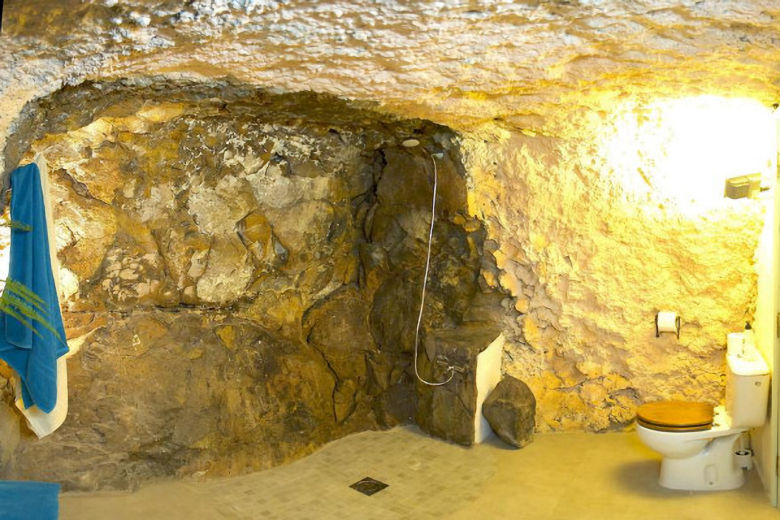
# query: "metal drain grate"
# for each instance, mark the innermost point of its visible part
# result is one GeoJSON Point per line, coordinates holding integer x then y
{"type": "Point", "coordinates": [368, 486]}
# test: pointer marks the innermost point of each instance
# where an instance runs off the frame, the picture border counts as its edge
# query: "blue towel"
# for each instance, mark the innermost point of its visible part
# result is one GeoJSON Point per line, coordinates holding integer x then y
{"type": "Point", "coordinates": [32, 356]}
{"type": "Point", "coordinates": [21, 500]}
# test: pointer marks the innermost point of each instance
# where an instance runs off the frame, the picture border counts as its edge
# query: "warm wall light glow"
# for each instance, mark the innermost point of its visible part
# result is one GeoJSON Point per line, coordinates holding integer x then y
{"type": "Point", "coordinates": [683, 150]}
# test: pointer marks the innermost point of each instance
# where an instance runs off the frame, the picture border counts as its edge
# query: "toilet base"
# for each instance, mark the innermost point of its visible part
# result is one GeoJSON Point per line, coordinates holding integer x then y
{"type": "Point", "coordinates": [712, 469]}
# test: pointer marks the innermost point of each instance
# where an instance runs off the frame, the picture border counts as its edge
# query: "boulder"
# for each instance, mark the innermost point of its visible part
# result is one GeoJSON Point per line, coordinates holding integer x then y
{"type": "Point", "coordinates": [510, 410]}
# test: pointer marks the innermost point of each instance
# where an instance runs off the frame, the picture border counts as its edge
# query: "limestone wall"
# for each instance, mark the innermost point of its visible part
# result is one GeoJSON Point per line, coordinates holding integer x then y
{"type": "Point", "coordinates": [591, 247]}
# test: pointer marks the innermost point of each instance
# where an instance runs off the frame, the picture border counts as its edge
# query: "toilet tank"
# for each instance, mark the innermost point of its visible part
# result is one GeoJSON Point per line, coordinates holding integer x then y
{"type": "Point", "coordinates": [747, 390]}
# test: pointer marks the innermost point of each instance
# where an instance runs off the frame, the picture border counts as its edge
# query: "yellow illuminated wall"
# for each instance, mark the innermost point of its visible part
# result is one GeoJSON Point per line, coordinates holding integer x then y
{"type": "Point", "coordinates": [685, 149]}
{"type": "Point", "coordinates": [618, 215]}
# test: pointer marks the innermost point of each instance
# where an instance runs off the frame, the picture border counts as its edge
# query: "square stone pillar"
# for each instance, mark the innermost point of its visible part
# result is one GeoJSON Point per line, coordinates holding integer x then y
{"type": "Point", "coordinates": [454, 411]}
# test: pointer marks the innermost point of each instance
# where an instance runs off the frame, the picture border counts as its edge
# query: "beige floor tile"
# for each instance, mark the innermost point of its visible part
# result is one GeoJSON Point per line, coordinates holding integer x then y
{"type": "Point", "coordinates": [559, 476]}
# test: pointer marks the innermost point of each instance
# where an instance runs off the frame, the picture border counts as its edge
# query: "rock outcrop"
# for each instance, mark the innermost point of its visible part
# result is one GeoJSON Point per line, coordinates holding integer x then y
{"type": "Point", "coordinates": [242, 280]}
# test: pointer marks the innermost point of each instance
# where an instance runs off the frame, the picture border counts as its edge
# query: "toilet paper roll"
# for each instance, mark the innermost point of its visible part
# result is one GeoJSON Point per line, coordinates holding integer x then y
{"type": "Point", "coordinates": [667, 321]}
{"type": "Point", "coordinates": [734, 343]}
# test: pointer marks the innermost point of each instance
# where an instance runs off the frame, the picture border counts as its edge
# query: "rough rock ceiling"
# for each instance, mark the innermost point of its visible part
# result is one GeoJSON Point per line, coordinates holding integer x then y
{"type": "Point", "coordinates": [457, 62]}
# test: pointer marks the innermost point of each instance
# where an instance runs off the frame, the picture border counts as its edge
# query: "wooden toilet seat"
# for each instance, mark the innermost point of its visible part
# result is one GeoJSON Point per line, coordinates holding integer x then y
{"type": "Point", "coordinates": [675, 416]}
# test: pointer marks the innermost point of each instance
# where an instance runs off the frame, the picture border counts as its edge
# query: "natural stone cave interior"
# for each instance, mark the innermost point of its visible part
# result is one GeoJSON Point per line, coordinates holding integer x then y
{"type": "Point", "coordinates": [257, 257]}
{"type": "Point", "coordinates": [242, 229]}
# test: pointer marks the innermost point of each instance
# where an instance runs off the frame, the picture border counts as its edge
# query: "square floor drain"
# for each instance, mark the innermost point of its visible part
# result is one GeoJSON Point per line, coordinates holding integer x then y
{"type": "Point", "coordinates": [368, 486]}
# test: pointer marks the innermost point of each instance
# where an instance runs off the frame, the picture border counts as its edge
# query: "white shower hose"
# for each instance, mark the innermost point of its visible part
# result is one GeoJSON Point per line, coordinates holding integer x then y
{"type": "Point", "coordinates": [450, 368]}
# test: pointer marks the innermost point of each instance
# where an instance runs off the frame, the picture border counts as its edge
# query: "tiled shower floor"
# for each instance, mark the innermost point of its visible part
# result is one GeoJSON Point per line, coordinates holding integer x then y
{"type": "Point", "coordinates": [559, 476]}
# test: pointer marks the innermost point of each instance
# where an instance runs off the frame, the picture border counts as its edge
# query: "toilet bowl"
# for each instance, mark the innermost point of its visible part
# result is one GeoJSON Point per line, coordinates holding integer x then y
{"type": "Point", "coordinates": [697, 460]}
{"type": "Point", "coordinates": [698, 443]}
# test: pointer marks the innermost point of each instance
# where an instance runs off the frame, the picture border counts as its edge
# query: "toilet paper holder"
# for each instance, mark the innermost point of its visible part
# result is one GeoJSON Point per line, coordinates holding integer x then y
{"type": "Point", "coordinates": [658, 330]}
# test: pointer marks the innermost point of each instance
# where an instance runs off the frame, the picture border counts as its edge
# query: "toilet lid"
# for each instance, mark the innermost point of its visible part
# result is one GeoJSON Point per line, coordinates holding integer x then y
{"type": "Point", "coordinates": [675, 416]}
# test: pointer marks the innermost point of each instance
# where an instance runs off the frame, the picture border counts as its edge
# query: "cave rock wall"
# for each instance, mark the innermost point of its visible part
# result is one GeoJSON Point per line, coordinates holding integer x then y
{"type": "Point", "coordinates": [589, 262]}
{"type": "Point", "coordinates": [241, 275]}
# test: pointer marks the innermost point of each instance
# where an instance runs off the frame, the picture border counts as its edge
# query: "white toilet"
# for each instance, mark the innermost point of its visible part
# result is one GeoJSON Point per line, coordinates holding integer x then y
{"type": "Point", "coordinates": [698, 446]}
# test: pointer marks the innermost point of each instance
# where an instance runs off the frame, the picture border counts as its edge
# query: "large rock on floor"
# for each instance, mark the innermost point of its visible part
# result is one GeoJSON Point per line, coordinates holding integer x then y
{"type": "Point", "coordinates": [510, 409]}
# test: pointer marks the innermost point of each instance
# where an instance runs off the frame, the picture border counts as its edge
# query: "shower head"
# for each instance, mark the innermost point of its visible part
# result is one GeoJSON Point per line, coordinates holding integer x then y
{"type": "Point", "coordinates": [412, 142]}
